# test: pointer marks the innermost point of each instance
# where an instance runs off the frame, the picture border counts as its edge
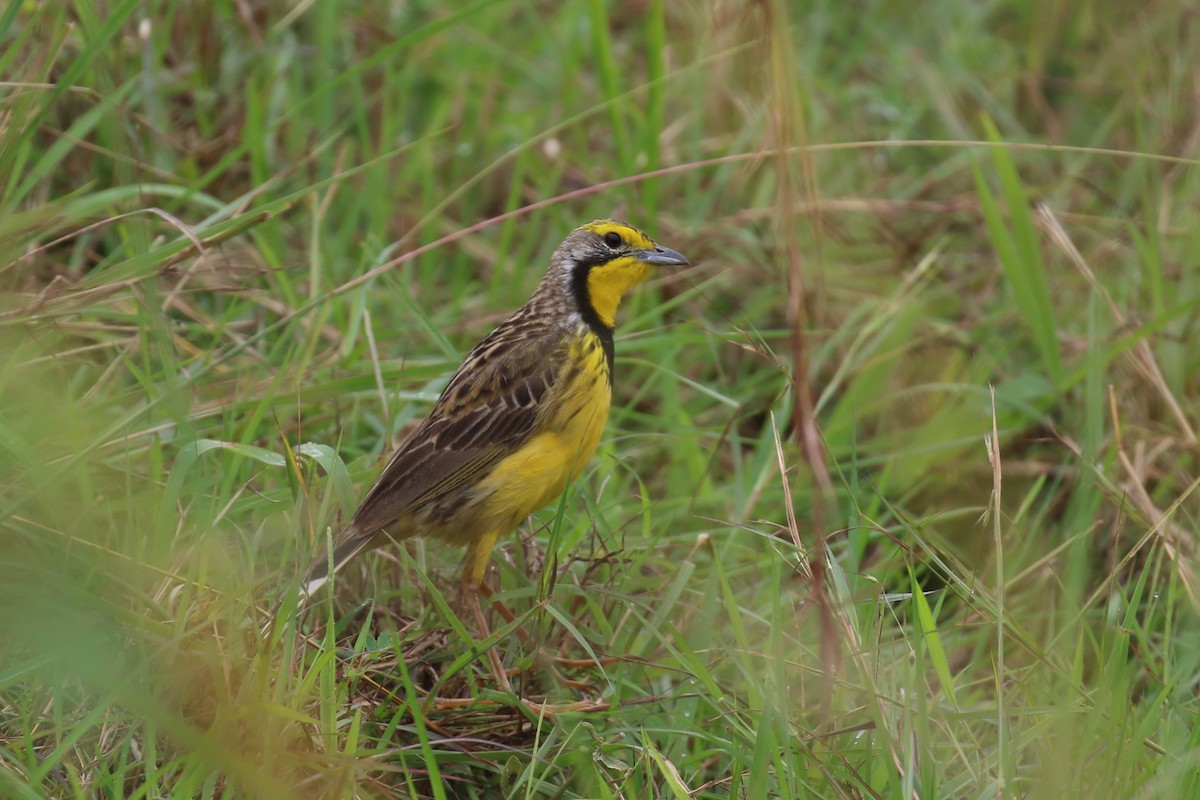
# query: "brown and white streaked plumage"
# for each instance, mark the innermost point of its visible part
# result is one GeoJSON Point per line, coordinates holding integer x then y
{"type": "Point", "coordinates": [520, 418]}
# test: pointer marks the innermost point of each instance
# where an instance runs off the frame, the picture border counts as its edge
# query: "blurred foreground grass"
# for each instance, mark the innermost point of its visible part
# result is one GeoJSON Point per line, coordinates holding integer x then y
{"type": "Point", "coordinates": [236, 266]}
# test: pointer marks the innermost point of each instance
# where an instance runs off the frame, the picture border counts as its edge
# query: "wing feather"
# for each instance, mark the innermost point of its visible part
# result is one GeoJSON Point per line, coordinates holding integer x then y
{"type": "Point", "coordinates": [489, 409]}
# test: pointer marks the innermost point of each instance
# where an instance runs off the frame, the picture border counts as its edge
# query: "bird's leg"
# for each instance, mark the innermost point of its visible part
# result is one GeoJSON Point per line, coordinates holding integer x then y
{"type": "Point", "coordinates": [475, 564]}
{"type": "Point", "coordinates": [469, 592]}
{"type": "Point", "coordinates": [502, 610]}
{"type": "Point", "coordinates": [543, 659]}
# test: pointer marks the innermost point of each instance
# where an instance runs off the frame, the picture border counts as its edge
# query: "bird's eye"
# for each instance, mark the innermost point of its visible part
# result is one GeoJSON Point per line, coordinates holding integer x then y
{"type": "Point", "coordinates": [613, 240]}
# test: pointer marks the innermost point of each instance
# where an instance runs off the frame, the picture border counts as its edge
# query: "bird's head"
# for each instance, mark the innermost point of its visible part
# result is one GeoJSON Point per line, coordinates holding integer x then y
{"type": "Point", "coordinates": [602, 260]}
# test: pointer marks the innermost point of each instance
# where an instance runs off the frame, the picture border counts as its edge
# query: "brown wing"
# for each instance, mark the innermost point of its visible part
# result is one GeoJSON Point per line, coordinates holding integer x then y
{"type": "Point", "coordinates": [489, 409]}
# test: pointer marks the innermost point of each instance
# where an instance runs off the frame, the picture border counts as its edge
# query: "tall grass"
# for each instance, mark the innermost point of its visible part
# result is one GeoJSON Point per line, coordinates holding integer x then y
{"type": "Point", "coordinates": [898, 494]}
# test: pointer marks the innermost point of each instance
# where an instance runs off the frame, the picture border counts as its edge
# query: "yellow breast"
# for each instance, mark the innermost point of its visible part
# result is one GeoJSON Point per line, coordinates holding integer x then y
{"type": "Point", "coordinates": [575, 412]}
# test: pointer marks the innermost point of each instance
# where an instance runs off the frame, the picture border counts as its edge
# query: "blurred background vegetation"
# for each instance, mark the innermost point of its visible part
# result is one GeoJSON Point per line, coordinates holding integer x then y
{"type": "Point", "coordinates": [898, 495]}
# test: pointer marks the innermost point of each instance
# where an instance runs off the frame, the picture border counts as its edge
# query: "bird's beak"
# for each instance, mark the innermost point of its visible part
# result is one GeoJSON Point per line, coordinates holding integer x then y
{"type": "Point", "coordinates": [663, 257]}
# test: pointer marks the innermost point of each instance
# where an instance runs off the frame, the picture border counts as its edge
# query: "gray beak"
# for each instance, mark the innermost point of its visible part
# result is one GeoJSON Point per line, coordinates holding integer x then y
{"type": "Point", "coordinates": [663, 257]}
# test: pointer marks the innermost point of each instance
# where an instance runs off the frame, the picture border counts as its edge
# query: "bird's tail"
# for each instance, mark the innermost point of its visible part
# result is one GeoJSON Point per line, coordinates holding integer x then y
{"type": "Point", "coordinates": [346, 545]}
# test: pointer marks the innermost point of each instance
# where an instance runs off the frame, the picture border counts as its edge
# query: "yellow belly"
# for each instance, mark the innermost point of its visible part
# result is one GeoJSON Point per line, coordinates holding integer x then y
{"type": "Point", "coordinates": [537, 473]}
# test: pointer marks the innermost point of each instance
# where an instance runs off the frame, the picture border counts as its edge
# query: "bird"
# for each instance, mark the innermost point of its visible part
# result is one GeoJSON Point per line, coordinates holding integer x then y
{"type": "Point", "coordinates": [518, 421]}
